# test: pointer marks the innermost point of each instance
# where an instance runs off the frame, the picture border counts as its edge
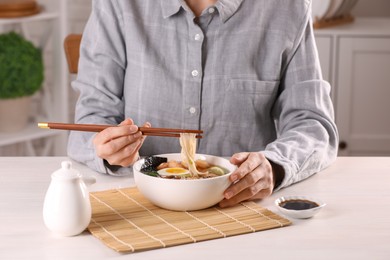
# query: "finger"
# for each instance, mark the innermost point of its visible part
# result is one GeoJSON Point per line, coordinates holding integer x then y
{"type": "Point", "coordinates": [111, 133]}
{"type": "Point", "coordinates": [115, 145]}
{"type": "Point", "coordinates": [147, 124]}
{"type": "Point", "coordinates": [238, 158]}
{"type": "Point", "coordinates": [249, 188]}
{"type": "Point", "coordinates": [246, 194]}
{"type": "Point", "coordinates": [133, 157]}
{"type": "Point", "coordinates": [262, 172]}
{"type": "Point", "coordinates": [127, 121]}
{"type": "Point", "coordinates": [246, 182]}
{"type": "Point", "coordinates": [125, 156]}
{"type": "Point", "coordinates": [256, 192]}
{"type": "Point", "coordinates": [252, 161]}
{"type": "Point", "coordinates": [128, 155]}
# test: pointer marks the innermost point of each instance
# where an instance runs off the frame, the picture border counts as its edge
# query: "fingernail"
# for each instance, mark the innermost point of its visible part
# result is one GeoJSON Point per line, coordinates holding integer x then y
{"type": "Point", "coordinates": [222, 204]}
{"type": "Point", "coordinates": [234, 177]}
{"type": "Point", "coordinates": [133, 128]}
{"type": "Point", "coordinates": [238, 156]}
{"type": "Point", "coordinates": [228, 195]}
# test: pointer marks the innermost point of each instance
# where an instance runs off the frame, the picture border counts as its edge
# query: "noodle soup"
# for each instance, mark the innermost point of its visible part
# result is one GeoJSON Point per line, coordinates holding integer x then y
{"type": "Point", "coordinates": [186, 168]}
{"type": "Point", "coordinates": [160, 167]}
{"type": "Point", "coordinates": [183, 194]}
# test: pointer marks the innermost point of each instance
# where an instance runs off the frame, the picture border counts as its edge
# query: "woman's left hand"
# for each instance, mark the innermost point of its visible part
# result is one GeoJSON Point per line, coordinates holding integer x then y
{"type": "Point", "coordinates": [253, 179]}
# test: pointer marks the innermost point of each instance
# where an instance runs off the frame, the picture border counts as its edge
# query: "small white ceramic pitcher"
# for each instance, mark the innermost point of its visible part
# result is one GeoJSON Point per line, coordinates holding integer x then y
{"type": "Point", "coordinates": [67, 209]}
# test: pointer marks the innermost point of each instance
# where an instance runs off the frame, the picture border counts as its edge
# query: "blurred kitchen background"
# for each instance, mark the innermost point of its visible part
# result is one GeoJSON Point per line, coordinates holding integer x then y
{"type": "Point", "coordinates": [354, 55]}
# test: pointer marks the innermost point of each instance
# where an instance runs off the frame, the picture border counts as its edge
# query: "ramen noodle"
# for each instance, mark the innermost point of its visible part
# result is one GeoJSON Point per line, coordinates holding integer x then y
{"type": "Point", "coordinates": [188, 150]}
{"type": "Point", "coordinates": [187, 168]}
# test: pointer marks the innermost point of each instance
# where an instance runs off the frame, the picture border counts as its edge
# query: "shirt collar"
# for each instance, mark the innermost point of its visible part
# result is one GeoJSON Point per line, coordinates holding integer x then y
{"type": "Point", "coordinates": [226, 8]}
{"type": "Point", "coordinates": [170, 7]}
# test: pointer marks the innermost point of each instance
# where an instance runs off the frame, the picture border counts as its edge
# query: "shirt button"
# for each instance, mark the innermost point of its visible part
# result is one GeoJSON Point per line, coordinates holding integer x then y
{"type": "Point", "coordinates": [194, 73]}
{"type": "Point", "coordinates": [211, 10]}
{"type": "Point", "coordinates": [197, 37]}
{"type": "Point", "coordinates": [192, 110]}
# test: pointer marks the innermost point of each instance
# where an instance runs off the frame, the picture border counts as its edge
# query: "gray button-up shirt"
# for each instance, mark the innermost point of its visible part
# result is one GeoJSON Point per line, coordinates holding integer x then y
{"type": "Point", "coordinates": [246, 72]}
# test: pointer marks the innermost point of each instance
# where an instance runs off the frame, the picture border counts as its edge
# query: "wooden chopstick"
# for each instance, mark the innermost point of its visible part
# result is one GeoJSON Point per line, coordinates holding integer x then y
{"type": "Point", "coordinates": [166, 130]}
{"type": "Point", "coordinates": [75, 127]}
{"type": "Point", "coordinates": [150, 131]}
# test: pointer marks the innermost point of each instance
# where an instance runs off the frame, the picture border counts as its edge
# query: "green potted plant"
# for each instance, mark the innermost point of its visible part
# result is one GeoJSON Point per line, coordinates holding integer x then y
{"type": "Point", "coordinates": [21, 75]}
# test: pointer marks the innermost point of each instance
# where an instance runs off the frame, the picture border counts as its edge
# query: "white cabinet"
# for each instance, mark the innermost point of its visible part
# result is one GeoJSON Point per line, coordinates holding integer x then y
{"type": "Point", "coordinates": [356, 60]}
{"type": "Point", "coordinates": [363, 94]}
{"type": "Point", "coordinates": [47, 30]}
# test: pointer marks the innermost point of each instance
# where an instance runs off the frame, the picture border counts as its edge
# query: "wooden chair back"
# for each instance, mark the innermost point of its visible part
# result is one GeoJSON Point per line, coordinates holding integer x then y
{"type": "Point", "coordinates": [72, 51]}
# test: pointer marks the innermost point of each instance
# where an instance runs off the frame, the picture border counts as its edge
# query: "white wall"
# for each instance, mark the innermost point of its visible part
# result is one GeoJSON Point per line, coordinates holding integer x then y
{"type": "Point", "coordinates": [78, 12]}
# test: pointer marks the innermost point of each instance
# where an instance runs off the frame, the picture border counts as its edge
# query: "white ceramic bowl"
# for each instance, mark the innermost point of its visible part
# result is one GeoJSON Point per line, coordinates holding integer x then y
{"type": "Point", "coordinates": [303, 213]}
{"type": "Point", "coordinates": [184, 195]}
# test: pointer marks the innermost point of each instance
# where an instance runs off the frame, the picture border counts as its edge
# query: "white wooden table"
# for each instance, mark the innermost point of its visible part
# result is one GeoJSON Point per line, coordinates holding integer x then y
{"type": "Point", "coordinates": [355, 224]}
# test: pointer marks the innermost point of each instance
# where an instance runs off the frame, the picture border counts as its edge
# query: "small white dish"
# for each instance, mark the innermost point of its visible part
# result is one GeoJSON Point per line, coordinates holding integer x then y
{"type": "Point", "coordinates": [299, 206]}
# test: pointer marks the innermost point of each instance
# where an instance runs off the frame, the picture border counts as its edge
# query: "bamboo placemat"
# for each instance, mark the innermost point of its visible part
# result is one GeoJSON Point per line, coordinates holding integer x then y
{"type": "Point", "coordinates": [127, 222]}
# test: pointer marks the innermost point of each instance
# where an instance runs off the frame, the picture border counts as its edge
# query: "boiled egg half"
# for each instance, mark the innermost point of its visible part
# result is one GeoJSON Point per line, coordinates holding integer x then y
{"type": "Point", "coordinates": [174, 172]}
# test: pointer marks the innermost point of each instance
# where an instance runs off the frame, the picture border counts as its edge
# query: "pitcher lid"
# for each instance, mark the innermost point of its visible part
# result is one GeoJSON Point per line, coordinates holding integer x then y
{"type": "Point", "coordinates": [66, 172]}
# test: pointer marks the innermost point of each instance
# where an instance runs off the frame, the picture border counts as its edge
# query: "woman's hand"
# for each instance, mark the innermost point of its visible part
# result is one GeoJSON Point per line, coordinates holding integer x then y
{"type": "Point", "coordinates": [253, 179]}
{"type": "Point", "coordinates": [120, 145]}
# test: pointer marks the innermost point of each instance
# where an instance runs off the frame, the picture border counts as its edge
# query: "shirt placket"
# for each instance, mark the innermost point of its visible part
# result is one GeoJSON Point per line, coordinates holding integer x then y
{"type": "Point", "coordinates": [194, 75]}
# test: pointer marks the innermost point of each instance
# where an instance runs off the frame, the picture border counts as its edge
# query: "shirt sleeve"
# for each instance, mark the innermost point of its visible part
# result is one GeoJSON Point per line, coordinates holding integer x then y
{"type": "Point", "coordinates": [307, 139]}
{"type": "Point", "coordinates": [99, 81]}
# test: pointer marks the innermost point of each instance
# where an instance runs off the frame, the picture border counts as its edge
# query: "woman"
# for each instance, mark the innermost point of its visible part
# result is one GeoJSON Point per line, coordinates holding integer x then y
{"type": "Point", "coordinates": [246, 72]}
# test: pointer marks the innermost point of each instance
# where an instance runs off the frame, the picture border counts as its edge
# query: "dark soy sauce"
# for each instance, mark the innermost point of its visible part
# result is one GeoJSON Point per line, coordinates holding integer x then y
{"type": "Point", "coordinates": [297, 204]}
